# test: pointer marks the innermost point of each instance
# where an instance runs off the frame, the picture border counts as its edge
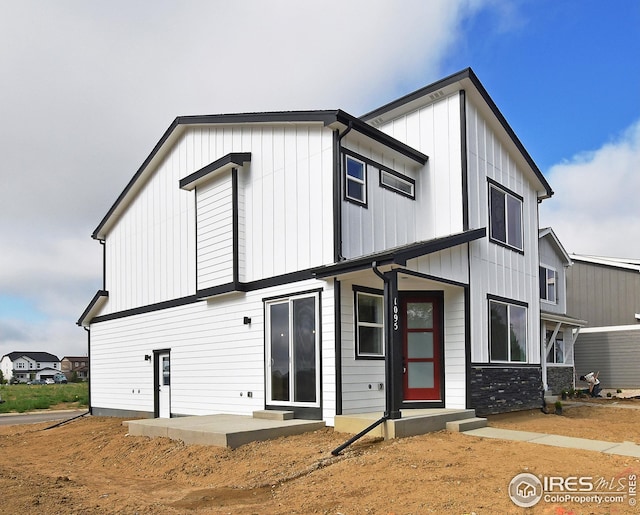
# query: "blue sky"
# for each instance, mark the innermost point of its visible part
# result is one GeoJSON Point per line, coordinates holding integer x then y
{"type": "Point", "coordinates": [89, 87]}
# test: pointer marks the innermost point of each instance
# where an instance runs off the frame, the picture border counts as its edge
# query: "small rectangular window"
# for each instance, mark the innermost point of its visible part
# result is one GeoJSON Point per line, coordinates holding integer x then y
{"type": "Point", "coordinates": [355, 180]}
{"type": "Point", "coordinates": [505, 211]}
{"type": "Point", "coordinates": [369, 325]}
{"type": "Point", "coordinates": [507, 332]}
{"type": "Point", "coordinates": [398, 183]}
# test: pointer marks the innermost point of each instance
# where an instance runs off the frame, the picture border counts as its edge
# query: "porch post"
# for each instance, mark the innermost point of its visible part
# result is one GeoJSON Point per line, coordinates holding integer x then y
{"type": "Point", "coordinates": [393, 347]}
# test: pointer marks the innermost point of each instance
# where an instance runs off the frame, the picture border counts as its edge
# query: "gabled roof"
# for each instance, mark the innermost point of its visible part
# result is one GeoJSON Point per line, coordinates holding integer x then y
{"type": "Point", "coordinates": [336, 119]}
{"type": "Point", "coordinates": [35, 356]}
{"type": "Point", "coordinates": [464, 80]}
{"type": "Point", "coordinates": [548, 233]}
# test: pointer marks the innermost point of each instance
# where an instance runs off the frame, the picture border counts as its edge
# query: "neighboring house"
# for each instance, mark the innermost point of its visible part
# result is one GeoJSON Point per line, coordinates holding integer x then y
{"type": "Point", "coordinates": [78, 365]}
{"type": "Point", "coordinates": [606, 292]}
{"type": "Point", "coordinates": [558, 331]}
{"type": "Point", "coordinates": [325, 264]}
{"type": "Point", "coordinates": [27, 366]}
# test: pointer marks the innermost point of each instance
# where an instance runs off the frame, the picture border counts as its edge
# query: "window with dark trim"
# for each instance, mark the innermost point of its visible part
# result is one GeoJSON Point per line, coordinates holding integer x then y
{"type": "Point", "coordinates": [548, 284]}
{"type": "Point", "coordinates": [397, 182]}
{"type": "Point", "coordinates": [355, 180]}
{"type": "Point", "coordinates": [505, 213]}
{"type": "Point", "coordinates": [507, 332]}
{"type": "Point", "coordinates": [369, 324]}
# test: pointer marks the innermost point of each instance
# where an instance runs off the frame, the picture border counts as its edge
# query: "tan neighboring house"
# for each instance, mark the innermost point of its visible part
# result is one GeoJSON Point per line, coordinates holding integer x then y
{"type": "Point", "coordinates": [77, 364]}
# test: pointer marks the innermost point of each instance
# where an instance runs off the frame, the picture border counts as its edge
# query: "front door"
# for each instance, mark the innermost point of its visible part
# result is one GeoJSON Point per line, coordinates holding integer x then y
{"type": "Point", "coordinates": [422, 351]}
{"type": "Point", "coordinates": [164, 384]}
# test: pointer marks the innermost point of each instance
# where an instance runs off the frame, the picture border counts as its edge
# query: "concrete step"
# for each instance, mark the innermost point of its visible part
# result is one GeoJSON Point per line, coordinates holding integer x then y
{"type": "Point", "coordinates": [459, 426]}
{"type": "Point", "coordinates": [269, 414]}
{"type": "Point", "coordinates": [413, 422]}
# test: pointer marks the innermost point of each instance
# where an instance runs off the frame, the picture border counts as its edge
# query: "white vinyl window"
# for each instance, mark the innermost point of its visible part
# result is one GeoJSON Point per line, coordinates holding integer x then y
{"type": "Point", "coordinates": [369, 325]}
{"type": "Point", "coordinates": [556, 353]}
{"type": "Point", "coordinates": [355, 180]}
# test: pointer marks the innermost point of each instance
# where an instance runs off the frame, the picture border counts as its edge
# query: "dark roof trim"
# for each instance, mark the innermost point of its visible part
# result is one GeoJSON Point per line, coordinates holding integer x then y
{"type": "Point", "coordinates": [469, 74]}
{"type": "Point", "coordinates": [98, 299]}
{"type": "Point", "coordinates": [235, 158]}
{"type": "Point", "coordinates": [35, 356]}
{"type": "Point", "coordinates": [326, 117]}
{"type": "Point", "coordinates": [400, 255]}
{"type": "Point", "coordinates": [371, 132]}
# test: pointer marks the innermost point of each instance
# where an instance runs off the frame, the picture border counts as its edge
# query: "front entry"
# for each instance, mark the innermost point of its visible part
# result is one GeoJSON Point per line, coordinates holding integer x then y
{"type": "Point", "coordinates": [422, 347]}
{"type": "Point", "coordinates": [163, 384]}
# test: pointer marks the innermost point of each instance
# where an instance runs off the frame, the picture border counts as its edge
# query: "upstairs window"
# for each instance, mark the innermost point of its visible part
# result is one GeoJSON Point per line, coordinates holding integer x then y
{"type": "Point", "coordinates": [548, 282]}
{"type": "Point", "coordinates": [505, 210]}
{"type": "Point", "coordinates": [355, 180]}
{"type": "Point", "coordinates": [398, 183]}
{"type": "Point", "coordinates": [369, 325]}
{"type": "Point", "coordinates": [507, 332]}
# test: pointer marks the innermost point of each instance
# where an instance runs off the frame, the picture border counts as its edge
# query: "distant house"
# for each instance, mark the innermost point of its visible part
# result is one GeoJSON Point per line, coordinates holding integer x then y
{"type": "Point", "coordinates": [27, 366]}
{"type": "Point", "coordinates": [606, 292]}
{"type": "Point", "coordinates": [78, 365]}
{"type": "Point", "coordinates": [324, 264]}
{"type": "Point", "coordinates": [558, 331]}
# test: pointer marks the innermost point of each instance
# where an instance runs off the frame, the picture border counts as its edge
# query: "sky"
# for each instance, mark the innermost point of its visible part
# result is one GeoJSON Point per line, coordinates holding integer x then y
{"type": "Point", "coordinates": [88, 87]}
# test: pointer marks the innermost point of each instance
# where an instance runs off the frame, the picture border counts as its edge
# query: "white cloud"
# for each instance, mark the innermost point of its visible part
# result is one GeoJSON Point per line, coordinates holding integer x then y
{"type": "Point", "coordinates": [88, 88]}
{"type": "Point", "coordinates": [595, 208]}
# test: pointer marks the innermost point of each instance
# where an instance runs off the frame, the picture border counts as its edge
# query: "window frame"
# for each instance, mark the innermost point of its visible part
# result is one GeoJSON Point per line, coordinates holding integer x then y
{"type": "Point", "coordinates": [400, 177]}
{"type": "Point", "coordinates": [510, 304]}
{"type": "Point", "coordinates": [508, 194]}
{"type": "Point", "coordinates": [357, 291]}
{"type": "Point", "coordinates": [350, 178]}
{"type": "Point", "coordinates": [552, 350]}
{"type": "Point", "coordinates": [546, 298]}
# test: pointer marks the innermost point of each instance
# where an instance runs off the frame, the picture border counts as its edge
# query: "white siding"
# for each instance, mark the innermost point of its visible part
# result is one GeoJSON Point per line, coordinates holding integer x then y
{"type": "Point", "coordinates": [215, 232]}
{"type": "Point", "coordinates": [497, 270]}
{"type": "Point", "coordinates": [285, 193]}
{"type": "Point", "coordinates": [389, 220]}
{"type": "Point", "coordinates": [215, 358]}
{"type": "Point", "coordinates": [435, 130]}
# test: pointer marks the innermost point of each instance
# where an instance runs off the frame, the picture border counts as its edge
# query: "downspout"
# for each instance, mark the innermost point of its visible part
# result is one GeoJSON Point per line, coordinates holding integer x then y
{"type": "Point", "coordinates": [387, 374]}
{"type": "Point", "coordinates": [337, 177]}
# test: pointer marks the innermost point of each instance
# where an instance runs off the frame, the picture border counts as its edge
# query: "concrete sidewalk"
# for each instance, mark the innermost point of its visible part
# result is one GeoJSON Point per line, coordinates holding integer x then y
{"type": "Point", "coordinates": [622, 449]}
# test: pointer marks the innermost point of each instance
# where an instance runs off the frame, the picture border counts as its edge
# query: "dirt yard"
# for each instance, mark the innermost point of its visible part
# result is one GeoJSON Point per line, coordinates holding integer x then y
{"type": "Point", "coordinates": [91, 466]}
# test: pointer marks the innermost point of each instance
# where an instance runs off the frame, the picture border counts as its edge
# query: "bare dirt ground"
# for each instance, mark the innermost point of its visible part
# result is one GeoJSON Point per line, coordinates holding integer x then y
{"type": "Point", "coordinates": [91, 466]}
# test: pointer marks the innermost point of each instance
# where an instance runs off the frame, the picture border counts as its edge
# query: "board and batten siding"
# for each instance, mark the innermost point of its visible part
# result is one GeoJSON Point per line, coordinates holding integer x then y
{"type": "Point", "coordinates": [286, 193]}
{"type": "Point", "coordinates": [388, 220]}
{"type": "Point", "coordinates": [214, 227]}
{"type": "Point", "coordinates": [434, 129]}
{"type": "Point", "coordinates": [495, 269]}
{"type": "Point", "coordinates": [215, 358]}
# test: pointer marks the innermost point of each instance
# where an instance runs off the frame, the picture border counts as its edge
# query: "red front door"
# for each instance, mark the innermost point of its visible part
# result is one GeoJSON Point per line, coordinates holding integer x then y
{"type": "Point", "coordinates": [421, 348]}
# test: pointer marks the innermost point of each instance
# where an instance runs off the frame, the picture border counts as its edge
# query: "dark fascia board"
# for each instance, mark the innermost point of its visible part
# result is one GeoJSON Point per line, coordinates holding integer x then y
{"type": "Point", "coordinates": [234, 158]}
{"type": "Point", "coordinates": [400, 255]}
{"type": "Point", "coordinates": [96, 303]}
{"type": "Point", "coordinates": [326, 117]}
{"type": "Point", "coordinates": [377, 135]}
{"type": "Point", "coordinates": [467, 74]}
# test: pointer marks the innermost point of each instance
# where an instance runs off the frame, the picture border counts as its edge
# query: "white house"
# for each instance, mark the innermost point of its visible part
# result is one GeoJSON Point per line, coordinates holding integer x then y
{"type": "Point", "coordinates": [558, 331]}
{"type": "Point", "coordinates": [26, 366]}
{"type": "Point", "coordinates": [325, 264]}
